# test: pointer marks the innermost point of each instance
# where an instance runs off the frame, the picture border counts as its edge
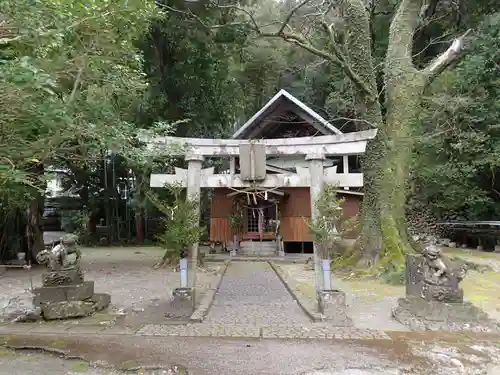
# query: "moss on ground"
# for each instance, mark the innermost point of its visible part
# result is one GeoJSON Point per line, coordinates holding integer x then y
{"type": "Point", "coordinates": [471, 253]}
{"type": "Point", "coordinates": [7, 354]}
{"type": "Point", "coordinates": [481, 287]}
{"type": "Point", "coordinates": [58, 344]}
{"type": "Point", "coordinates": [80, 367]}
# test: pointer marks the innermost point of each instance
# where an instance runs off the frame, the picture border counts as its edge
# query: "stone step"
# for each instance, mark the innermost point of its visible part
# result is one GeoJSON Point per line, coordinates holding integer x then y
{"type": "Point", "coordinates": [256, 244]}
{"type": "Point", "coordinates": [257, 248]}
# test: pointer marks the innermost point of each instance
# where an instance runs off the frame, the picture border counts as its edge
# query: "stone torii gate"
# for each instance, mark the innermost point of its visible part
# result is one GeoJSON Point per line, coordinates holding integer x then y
{"type": "Point", "coordinates": [314, 149]}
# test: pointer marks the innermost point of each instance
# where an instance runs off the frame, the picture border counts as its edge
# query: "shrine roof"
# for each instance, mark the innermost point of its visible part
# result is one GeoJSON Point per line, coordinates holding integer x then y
{"type": "Point", "coordinates": [284, 99]}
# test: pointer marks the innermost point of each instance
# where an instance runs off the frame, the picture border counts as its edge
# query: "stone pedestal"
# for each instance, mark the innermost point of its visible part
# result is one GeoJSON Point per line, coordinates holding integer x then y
{"type": "Point", "coordinates": [331, 303]}
{"type": "Point", "coordinates": [421, 315]}
{"type": "Point", "coordinates": [434, 300]}
{"type": "Point", "coordinates": [441, 293]}
{"type": "Point", "coordinates": [68, 276]}
{"type": "Point", "coordinates": [182, 303]}
{"type": "Point", "coordinates": [65, 295]}
{"type": "Point", "coordinates": [183, 294]}
{"type": "Point", "coordinates": [62, 293]}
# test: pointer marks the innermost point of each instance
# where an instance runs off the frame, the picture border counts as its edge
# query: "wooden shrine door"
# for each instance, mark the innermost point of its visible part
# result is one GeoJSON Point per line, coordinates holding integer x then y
{"type": "Point", "coordinates": [261, 221]}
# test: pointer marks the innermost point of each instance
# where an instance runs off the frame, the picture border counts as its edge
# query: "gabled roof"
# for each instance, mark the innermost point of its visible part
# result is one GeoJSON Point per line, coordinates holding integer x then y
{"type": "Point", "coordinates": [272, 104]}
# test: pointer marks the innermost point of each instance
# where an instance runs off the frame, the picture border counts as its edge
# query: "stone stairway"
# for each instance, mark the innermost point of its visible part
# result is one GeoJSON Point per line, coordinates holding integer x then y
{"type": "Point", "coordinates": [257, 248]}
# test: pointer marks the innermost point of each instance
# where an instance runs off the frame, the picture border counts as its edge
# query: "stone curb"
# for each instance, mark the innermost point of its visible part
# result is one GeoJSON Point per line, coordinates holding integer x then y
{"type": "Point", "coordinates": [206, 302]}
{"type": "Point", "coordinates": [251, 258]}
{"type": "Point", "coordinates": [312, 331]}
{"type": "Point", "coordinates": [337, 333]}
{"type": "Point", "coordinates": [304, 303]}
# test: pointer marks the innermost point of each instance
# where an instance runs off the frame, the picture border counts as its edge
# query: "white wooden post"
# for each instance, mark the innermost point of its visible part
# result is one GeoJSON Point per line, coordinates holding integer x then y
{"type": "Point", "coordinates": [316, 188]}
{"type": "Point", "coordinates": [232, 165]}
{"type": "Point", "coordinates": [345, 162]}
{"type": "Point", "coordinates": [193, 193]}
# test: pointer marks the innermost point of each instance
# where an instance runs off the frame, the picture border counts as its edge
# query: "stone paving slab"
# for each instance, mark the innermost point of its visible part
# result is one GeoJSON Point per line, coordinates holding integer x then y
{"type": "Point", "coordinates": [311, 331]}
{"type": "Point", "coordinates": [318, 331]}
{"type": "Point", "coordinates": [252, 294]}
{"type": "Point", "coordinates": [199, 330]}
{"type": "Point", "coordinates": [206, 301]}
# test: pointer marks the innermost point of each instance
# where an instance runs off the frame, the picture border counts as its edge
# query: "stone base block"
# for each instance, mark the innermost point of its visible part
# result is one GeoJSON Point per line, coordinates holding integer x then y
{"type": "Point", "coordinates": [63, 293]}
{"type": "Point", "coordinates": [441, 293]}
{"type": "Point", "coordinates": [421, 315]}
{"type": "Point", "coordinates": [67, 310]}
{"type": "Point", "coordinates": [75, 309]}
{"type": "Point", "coordinates": [497, 248]}
{"type": "Point", "coordinates": [101, 301]}
{"type": "Point", "coordinates": [183, 300]}
{"type": "Point", "coordinates": [183, 294]}
{"type": "Point", "coordinates": [66, 276]}
{"type": "Point", "coordinates": [331, 303]}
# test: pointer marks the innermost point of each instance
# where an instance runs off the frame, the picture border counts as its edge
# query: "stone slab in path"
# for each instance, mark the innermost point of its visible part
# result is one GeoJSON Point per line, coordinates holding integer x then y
{"type": "Point", "coordinates": [252, 294]}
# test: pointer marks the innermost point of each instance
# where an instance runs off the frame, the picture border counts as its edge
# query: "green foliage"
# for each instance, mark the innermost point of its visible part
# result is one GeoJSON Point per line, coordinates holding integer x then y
{"type": "Point", "coordinates": [237, 217]}
{"type": "Point", "coordinates": [328, 229]}
{"type": "Point", "coordinates": [75, 222]}
{"type": "Point", "coordinates": [457, 158]}
{"type": "Point", "coordinates": [190, 69]}
{"type": "Point", "coordinates": [71, 84]}
{"type": "Point", "coordinates": [393, 273]}
{"type": "Point", "coordinates": [180, 223]}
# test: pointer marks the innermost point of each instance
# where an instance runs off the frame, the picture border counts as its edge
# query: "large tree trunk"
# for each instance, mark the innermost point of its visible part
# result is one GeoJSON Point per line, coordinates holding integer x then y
{"type": "Point", "coordinates": [34, 227]}
{"type": "Point", "coordinates": [403, 105]}
{"type": "Point", "coordinates": [404, 86]}
{"type": "Point", "coordinates": [139, 225]}
{"type": "Point", "coordinates": [387, 159]}
{"type": "Point", "coordinates": [359, 46]}
{"type": "Point", "coordinates": [34, 212]}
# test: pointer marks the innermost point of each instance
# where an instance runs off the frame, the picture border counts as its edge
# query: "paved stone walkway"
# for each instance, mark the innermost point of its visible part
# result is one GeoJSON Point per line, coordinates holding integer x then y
{"type": "Point", "coordinates": [251, 293]}
{"type": "Point", "coordinates": [253, 302]}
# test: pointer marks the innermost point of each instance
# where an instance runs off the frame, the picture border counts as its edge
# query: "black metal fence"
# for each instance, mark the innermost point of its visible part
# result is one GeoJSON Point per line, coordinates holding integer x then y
{"type": "Point", "coordinates": [472, 233]}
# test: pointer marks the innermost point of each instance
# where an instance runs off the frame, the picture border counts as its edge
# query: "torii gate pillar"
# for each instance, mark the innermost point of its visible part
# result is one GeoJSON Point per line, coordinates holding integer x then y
{"type": "Point", "coordinates": [195, 162]}
{"type": "Point", "coordinates": [316, 189]}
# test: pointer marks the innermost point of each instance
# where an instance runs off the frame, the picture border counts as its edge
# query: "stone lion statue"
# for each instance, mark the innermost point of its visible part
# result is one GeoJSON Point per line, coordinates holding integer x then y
{"type": "Point", "coordinates": [57, 257]}
{"type": "Point", "coordinates": [438, 270]}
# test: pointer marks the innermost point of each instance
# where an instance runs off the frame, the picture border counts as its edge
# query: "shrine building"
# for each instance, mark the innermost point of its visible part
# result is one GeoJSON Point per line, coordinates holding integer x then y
{"type": "Point", "coordinates": [279, 160]}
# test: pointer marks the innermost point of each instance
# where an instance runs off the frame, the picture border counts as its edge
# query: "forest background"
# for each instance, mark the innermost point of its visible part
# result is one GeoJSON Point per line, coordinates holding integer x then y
{"type": "Point", "coordinates": [83, 81]}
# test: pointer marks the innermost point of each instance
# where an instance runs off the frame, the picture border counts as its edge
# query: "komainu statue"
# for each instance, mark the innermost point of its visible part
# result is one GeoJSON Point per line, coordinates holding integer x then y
{"type": "Point", "coordinates": [440, 279]}
{"type": "Point", "coordinates": [434, 300]}
{"type": "Point", "coordinates": [57, 257]}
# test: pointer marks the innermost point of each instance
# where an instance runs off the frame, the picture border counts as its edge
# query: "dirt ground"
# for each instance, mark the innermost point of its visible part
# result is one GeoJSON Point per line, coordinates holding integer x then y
{"type": "Point", "coordinates": [406, 354]}
{"type": "Point", "coordinates": [139, 294]}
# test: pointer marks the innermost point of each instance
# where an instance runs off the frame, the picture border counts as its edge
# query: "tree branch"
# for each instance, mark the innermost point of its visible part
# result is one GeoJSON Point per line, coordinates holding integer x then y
{"type": "Point", "coordinates": [444, 60]}
{"type": "Point", "coordinates": [339, 61]}
{"type": "Point", "coordinates": [401, 32]}
{"type": "Point", "coordinates": [290, 15]}
{"type": "Point", "coordinates": [78, 79]}
{"type": "Point", "coordinates": [337, 58]}
{"type": "Point", "coordinates": [75, 24]}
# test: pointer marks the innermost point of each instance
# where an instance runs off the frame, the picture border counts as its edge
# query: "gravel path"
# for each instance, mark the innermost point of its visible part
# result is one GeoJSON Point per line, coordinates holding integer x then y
{"type": "Point", "coordinates": [126, 274]}
{"type": "Point", "coordinates": [252, 294]}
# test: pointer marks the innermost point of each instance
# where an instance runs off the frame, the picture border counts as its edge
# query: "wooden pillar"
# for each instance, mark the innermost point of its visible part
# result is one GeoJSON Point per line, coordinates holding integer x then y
{"type": "Point", "coordinates": [316, 189]}
{"type": "Point", "coordinates": [345, 162]}
{"type": "Point", "coordinates": [193, 193]}
{"type": "Point", "coordinates": [232, 165]}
